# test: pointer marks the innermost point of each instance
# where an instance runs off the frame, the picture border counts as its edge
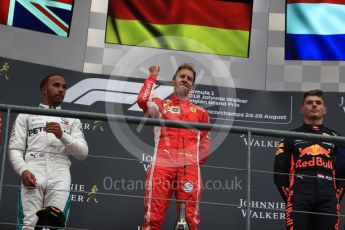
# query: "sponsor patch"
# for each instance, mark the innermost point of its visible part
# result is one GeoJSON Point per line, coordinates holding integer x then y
{"type": "Point", "coordinates": [166, 107]}
{"type": "Point", "coordinates": [171, 109]}
{"type": "Point", "coordinates": [175, 110]}
{"type": "Point", "coordinates": [64, 121]}
{"type": "Point", "coordinates": [188, 187]}
{"type": "Point", "coordinates": [279, 151]}
{"type": "Point", "coordinates": [315, 150]}
{"type": "Point", "coordinates": [316, 128]}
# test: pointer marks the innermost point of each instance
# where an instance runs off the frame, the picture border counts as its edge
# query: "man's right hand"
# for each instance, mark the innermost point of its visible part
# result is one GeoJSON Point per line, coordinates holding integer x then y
{"type": "Point", "coordinates": [154, 69]}
{"type": "Point", "coordinates": [28, 179]}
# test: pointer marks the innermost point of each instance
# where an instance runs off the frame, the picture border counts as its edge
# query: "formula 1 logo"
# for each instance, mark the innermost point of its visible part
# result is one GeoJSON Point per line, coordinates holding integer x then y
{"type": "Point", "coordinates": [92, 90]}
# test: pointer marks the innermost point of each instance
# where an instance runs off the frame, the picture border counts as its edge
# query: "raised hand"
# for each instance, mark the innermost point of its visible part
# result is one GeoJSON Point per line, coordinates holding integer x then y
{"type": "Point", "coordinates": [154, 69]}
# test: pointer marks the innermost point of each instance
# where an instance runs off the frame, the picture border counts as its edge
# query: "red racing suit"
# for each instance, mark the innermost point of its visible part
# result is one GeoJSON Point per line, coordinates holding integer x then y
{"type": "Point", "coordinates": [177, 155]}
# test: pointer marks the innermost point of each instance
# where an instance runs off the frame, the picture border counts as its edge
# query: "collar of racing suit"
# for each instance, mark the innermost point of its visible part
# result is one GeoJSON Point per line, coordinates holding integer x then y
{"type": "Point", "coordinates": [48, 107]}
{"type": "Point", "coordinates": [311, 127]}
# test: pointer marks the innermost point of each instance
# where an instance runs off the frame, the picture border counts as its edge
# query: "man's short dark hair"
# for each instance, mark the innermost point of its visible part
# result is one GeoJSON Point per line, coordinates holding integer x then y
{"type": "Point", "coordinates": [46, 79]}
{"type": "Point", "coordinates": [186, 66]}
{"type": "Point", "coordinates": [314, 92]}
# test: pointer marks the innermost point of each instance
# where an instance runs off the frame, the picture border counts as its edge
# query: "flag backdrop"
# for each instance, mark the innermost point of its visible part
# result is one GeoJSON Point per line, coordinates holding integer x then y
{"type": "Point", "coordinates": [222, 26]}
{"type": "Point", "coordinates": [48, 16]}
{"type": "Point", "coordinates": [315, 30]}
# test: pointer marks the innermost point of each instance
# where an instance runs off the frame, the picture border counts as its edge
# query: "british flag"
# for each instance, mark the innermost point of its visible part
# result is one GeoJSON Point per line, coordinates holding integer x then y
{"type": "Point", "coordinates": [48, 16]}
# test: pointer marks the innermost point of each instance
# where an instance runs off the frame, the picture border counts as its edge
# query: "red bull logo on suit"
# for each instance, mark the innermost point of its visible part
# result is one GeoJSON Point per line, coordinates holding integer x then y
{"type": "Point", "coordinates": [315, 150]}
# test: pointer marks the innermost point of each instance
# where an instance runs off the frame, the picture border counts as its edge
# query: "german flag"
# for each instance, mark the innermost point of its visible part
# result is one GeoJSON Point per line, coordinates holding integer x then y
{"type": "Point", "coordinates": [206, 26]}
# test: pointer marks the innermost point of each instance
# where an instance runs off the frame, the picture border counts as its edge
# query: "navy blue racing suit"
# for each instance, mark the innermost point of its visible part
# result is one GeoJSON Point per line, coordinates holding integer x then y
{"type": "Point", "coordinates": [305, 177]}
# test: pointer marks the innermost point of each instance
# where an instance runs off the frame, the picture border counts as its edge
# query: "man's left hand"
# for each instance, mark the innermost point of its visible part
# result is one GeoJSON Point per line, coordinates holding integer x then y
{"type": "Point", "coordinates": [53, 127]}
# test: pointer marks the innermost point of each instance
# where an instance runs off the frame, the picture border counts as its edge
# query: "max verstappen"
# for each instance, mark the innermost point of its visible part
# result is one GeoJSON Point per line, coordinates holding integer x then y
{"type": "Point", "coordinates": [305, 172]}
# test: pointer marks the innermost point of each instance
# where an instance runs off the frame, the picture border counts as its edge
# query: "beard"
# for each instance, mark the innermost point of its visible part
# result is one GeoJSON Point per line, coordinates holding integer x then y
{"type": "Point", "coordinates": [56, 100]}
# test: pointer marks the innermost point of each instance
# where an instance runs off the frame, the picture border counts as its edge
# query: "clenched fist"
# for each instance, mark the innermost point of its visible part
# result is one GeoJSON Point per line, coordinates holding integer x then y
{"type": "Point", "coordinates": [154, 69]}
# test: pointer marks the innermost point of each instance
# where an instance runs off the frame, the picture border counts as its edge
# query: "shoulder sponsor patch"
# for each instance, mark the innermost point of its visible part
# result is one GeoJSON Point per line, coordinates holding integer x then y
{"type": "Point", "coordinates": [166, 107]}
{"type": "Point", "coordinates": [279, 151]}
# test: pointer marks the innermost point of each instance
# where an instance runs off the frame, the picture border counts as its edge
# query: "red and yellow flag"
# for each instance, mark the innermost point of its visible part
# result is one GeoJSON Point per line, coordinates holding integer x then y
{"type": "Point", "coordinates": [207, 26]}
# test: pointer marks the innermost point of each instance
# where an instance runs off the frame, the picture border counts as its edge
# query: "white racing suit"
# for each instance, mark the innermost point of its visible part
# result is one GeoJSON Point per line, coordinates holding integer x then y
{"type": "Point", "coordinates": [45, 156]}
